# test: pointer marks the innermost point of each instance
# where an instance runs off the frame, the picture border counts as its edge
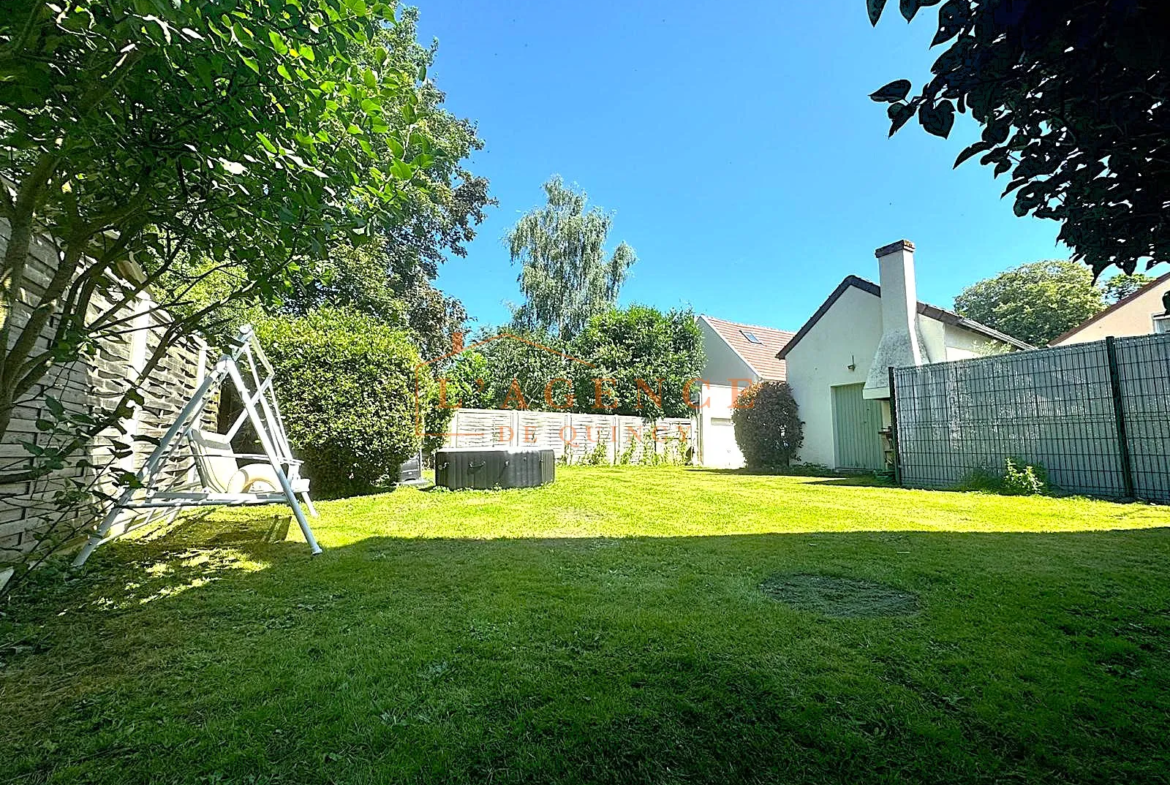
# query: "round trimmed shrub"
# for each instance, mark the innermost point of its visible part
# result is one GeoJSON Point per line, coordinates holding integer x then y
{"type": "Point", "coordinates": [768, 429]}
{"type": "Point", "coordinates": [346, 383]}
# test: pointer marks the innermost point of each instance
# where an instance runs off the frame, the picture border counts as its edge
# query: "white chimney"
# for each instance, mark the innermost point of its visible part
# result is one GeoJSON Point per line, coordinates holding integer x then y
{"type": "Point", "coordinates": [901, 343]}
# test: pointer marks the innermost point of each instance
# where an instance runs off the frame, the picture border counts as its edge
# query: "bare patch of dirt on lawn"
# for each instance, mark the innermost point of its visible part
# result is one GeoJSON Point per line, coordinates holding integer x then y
{"type": "Point", "coordinates": [841, 598]}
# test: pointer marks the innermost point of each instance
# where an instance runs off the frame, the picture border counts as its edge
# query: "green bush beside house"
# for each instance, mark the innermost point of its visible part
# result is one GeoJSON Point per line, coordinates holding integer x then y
{"type": "Point", "coordinates": [767, 425]}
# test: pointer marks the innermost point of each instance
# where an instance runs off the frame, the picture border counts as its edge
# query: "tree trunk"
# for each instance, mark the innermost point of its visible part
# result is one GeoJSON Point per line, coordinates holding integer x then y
{"type": "Point", "coordinates": [12, 280]}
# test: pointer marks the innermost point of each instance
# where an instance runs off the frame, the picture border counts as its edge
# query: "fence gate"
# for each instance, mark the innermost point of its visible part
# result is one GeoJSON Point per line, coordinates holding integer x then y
{"type": "Point", "coordinates": [1095, 415]}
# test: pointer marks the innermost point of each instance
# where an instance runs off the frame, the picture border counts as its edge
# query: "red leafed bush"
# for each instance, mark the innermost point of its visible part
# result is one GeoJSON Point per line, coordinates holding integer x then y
{"type": "Point", "coordinates": [768, 429]}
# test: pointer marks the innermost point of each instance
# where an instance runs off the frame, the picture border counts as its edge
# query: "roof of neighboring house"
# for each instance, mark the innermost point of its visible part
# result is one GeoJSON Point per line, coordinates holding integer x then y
{"type": "Point", "coordinates": [1115, 307]}
{"type": "Point", "coordinates": [932, 311]}
{"type": "Point", "coordinates": [760, 357]}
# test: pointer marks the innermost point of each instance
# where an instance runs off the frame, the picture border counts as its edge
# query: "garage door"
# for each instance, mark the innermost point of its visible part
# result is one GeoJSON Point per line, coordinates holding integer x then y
{"type": "Point", "coordinates": [719, 447]}
{"type": "Point", "coordinates": [856, 422]}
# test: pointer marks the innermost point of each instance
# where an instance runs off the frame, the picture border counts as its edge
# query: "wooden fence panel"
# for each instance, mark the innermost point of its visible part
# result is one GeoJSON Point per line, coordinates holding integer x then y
{"type": "Point", "coordinates": [576, 435]}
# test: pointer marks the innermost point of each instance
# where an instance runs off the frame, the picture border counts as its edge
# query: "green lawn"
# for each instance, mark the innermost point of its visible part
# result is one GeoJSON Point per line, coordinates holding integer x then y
{"type": "Point", "coordinates": [608, 628]}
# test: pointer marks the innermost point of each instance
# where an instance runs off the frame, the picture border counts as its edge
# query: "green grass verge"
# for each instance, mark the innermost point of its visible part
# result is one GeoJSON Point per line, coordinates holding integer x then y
{"type": "Point", "coordinates": [608, 628]}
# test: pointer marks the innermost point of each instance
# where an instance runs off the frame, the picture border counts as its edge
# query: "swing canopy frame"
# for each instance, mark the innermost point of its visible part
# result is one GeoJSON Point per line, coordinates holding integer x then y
{"type": "Point", "coordinates": [272, 477]}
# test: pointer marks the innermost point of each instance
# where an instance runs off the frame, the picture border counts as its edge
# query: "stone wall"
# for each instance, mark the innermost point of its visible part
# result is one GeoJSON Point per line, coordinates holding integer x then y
{"type": "Point", "coordinates": [98, 379]}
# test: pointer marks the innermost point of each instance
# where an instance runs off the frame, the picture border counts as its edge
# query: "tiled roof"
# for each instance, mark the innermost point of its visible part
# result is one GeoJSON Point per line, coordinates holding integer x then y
{"type": "Point", "coordinates": [760, 356]}
{"type": "Point", "coordinates": [932, 311]}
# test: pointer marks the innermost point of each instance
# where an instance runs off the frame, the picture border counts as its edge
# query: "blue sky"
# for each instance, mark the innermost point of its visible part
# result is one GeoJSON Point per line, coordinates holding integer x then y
{"type": "Point", "coordinates": [734, 141]}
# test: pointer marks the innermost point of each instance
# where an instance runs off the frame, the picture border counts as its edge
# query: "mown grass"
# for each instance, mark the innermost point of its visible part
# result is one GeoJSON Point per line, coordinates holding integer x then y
{"type": "Point", "coordinates": [608, 628]}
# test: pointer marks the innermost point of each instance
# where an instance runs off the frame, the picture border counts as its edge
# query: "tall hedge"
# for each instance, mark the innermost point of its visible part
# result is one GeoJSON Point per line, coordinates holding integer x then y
{"type": "Point", "coordinates": [346, 384]}
{"type": "Point", "coordinates": [768, 429]}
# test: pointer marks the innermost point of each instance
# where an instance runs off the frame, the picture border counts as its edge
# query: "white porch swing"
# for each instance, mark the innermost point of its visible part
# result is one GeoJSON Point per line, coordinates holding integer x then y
{"type": "Point", "coordinates": [223, 481]}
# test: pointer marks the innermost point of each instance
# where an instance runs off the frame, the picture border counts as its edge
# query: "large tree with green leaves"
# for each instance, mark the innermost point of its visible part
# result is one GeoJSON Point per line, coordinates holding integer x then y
{"type": "Point", "coordinates": [1121, 286]}
{"type": "Point", "coordinates": [1071, 97]}
{"type": "Point", "coordinates": [511, 369]}
{"type": "Point", "coordinates": [157, 145]}
{"type": "Point", "coordinates": [634, 361]}
{"type": "Point", "coordinates": [1034, 302]}
{"type": "Point", "coordinates": [139, 134]}
{"type": "Point", "coordinates": [651, 357]}
{"type": "Point", "coordinates": [442, 205]}
{"type": "Point", "coordinates": [391, 276]}
{"type": "Point", "coordinates": [566, 274]}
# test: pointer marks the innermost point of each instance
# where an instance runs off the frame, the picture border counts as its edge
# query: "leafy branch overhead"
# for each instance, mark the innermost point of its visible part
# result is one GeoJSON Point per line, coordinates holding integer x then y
{"type": "Point", "coordinates": [390, 274]}
{"type": "Point", "coordinates": [237, 132]}
{"type": "Point", "coordinates": [1071, 100]}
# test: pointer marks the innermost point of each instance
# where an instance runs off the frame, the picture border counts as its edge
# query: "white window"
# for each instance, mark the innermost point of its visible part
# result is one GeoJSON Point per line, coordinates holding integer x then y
{"type": "Point", "coordinates": [750, 336]}
{"type": "Point", "coordinates": [1162, 324]}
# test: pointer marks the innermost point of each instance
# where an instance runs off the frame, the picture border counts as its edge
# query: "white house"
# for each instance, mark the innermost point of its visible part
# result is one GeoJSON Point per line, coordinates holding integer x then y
{"type": "Point", "coordinates": [1145, 312]}
{"type": "Point", "coordinates": [838, 363]}
{"type": "Point", "coordinates": [738, 356]}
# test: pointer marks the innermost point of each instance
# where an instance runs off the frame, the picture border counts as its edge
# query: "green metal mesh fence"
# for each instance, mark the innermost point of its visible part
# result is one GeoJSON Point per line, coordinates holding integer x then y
{"type": "Point", "coordinates": [1096, 416]}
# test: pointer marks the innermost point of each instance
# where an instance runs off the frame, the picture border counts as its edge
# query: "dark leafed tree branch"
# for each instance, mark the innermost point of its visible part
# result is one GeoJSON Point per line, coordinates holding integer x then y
{"type": "Point", "coordinates": [1071, 97]}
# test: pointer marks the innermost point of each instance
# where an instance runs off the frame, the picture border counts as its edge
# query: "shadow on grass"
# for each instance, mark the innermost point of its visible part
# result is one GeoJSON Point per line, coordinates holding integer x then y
{"type": "Point", "coordinates": [220, 652]}
{"type": "Point", "coordinates": [826, 477]}
{"type": "Point", "coordinates": [746, 472]}
{"type": "Point", "coordinates": [870, 480]}
{"type": "Point", "coordinates": [855, 481]}
{"type": "Point", "coordinates": [205, 528]}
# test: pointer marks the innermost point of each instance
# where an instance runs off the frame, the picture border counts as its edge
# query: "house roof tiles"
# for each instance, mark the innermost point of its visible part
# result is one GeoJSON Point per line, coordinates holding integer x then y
{"type": "Point", "coordinates": [761, 356]}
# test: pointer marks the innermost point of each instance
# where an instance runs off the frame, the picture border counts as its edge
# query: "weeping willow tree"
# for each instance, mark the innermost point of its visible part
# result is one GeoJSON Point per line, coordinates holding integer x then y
{"type": "Point", "coordinates": [566, 275]}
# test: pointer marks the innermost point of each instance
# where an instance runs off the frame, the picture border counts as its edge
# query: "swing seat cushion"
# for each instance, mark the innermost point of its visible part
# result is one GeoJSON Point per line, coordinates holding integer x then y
{"type": "Point", "coordinates": [220, 472]}
{"type": "Point", "coordinates": [260, 478]}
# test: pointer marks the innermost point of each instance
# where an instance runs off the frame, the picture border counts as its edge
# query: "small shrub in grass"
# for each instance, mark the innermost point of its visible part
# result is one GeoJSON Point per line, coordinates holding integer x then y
{"type": "Point", "coordinates": [650, 456]}
{"type": "Point", "coordinates": [768, 429]}
{"type": "Point", "coordinates": [1021, 479]}
{"type": "Point", "coordinates": [1018, 478]}
{"type": "Point", "coordinates": [626, 456]}
{"type": "Point", "coordinates": [981, 479]}
{"type": "Point", "coordinates": [346, 384]}
{"type": "Point", "coordinates": [598, 456]}
{"type": "Point", "coordinates": [673, 451]}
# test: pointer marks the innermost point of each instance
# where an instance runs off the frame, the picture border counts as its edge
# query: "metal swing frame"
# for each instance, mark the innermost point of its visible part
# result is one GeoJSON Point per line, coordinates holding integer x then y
{"type": "Point", "coordinates": [255, 388]}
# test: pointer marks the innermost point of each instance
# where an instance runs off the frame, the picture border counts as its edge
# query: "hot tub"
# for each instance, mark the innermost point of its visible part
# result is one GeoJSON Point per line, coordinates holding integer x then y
{"type": "Point", "coordinates": [494, 467]}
